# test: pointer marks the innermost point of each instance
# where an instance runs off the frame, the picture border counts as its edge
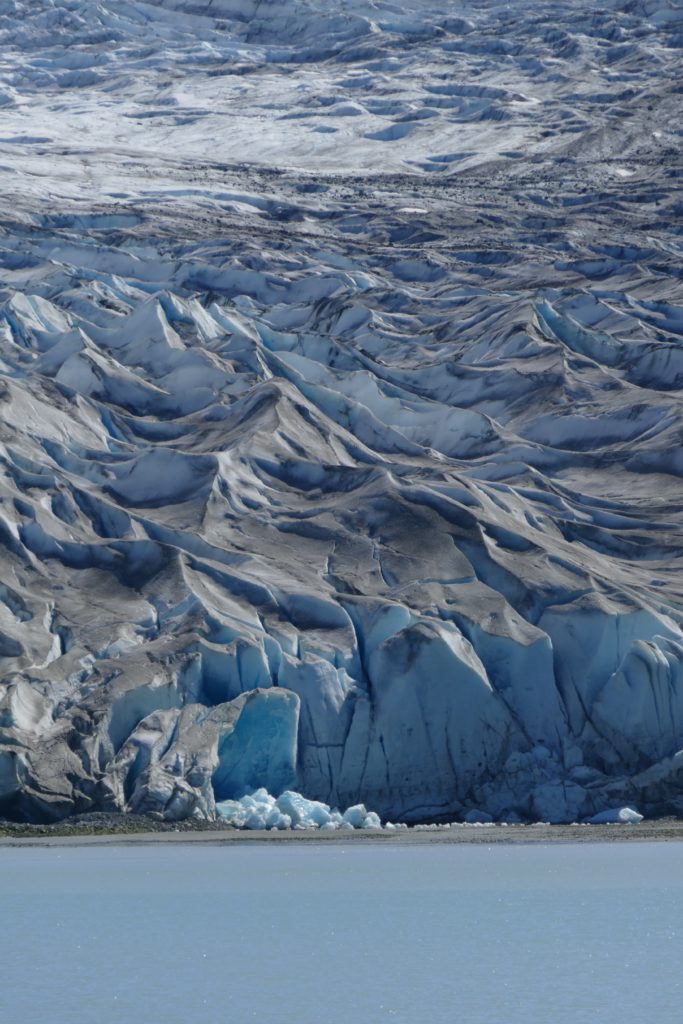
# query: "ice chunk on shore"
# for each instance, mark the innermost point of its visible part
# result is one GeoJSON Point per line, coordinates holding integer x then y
{"type": "Point", "coordinates": [355, 816]}
{"type": "Point", "coordinates": [616, 816]}
{"type": "Point", "coordinates": [307, 813]}
{"type": "Point", "coordinates": [476, 817]}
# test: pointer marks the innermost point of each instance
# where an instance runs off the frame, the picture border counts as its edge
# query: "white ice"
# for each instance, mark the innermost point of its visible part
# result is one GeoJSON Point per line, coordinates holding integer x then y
{"type": "Point", "coordinates": [290, 810]}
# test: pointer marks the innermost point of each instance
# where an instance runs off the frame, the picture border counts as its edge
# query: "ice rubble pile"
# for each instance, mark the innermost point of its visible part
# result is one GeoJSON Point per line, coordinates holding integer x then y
{"type": "Point", "coordinates": [363, 485]}
{"type": "Point", "coordinates": [260, 810]}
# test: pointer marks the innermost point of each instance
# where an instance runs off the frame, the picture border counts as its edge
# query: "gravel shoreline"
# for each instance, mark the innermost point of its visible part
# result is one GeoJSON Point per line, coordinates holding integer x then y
{"type": "Point", "coordinates": [84, 833]}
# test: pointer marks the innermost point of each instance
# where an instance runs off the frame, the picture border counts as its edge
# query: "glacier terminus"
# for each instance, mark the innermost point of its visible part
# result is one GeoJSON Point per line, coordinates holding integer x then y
{"type": "Point", "coordinates": [341, 410]}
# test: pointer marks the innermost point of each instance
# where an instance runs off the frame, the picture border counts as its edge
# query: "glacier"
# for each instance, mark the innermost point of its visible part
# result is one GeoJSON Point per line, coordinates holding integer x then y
{"type": "Point", "coordinates": [341, 380]}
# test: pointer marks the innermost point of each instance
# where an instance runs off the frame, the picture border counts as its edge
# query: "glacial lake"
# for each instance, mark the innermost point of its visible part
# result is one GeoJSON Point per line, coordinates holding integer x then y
{"type": "Point", "coordinates": [342, 934]}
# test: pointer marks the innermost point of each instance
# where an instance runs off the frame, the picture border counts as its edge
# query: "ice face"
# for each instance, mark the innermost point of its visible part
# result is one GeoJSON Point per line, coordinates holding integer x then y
{"type": "Point", "coordinates": [260, 748]}
{"type": "Point", "coordinates": [340, 441]}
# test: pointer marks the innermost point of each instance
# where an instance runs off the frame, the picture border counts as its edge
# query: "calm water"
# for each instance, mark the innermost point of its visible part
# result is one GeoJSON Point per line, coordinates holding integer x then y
{"type": "Point", "coordinates": [342, 934]}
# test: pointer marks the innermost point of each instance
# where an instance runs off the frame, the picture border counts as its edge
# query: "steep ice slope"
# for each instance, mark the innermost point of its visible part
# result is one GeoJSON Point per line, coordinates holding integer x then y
{"type": "Point", "coordinates": [341, 370]}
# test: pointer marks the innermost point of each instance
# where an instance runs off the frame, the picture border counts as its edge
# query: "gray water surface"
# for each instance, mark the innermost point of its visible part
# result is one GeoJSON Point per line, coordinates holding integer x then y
{"type": "Point", "coordinates": [339, 934]}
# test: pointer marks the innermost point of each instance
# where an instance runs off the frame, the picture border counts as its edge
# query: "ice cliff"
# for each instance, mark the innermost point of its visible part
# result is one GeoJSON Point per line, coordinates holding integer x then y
{"type": "Point", "coordinates": [341, 381]}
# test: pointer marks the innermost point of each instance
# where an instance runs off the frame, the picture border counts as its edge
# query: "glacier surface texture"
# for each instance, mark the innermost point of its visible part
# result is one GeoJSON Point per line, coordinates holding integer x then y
{"type": "Point", "coordinates": [341, 381]}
